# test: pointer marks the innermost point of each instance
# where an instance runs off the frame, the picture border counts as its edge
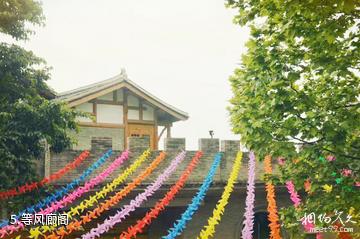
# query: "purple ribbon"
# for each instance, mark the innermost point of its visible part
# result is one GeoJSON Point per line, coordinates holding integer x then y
{"type": "Point", "coordinates": [250, 200]}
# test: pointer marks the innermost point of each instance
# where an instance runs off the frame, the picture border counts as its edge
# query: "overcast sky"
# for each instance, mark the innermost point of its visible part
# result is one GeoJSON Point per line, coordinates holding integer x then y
{"type": "Point", "coordinates": [181, 51]}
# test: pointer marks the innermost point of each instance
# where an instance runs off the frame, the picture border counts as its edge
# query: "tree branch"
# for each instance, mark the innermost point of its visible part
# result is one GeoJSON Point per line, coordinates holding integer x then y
{"type": "Point", "coordinates": [348, 105]}
{"type": "Point", "coordinates": [307, 142]}
{"type": "Point", "coordinates": [344, 155]}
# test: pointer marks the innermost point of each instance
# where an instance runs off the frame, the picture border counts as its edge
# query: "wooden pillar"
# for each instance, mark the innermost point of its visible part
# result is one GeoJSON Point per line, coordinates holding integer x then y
{"type": "Point", "coordinates": [156, 140]}
{"type": "Point", "coordinates": [95, 110]}
{"type": "Point", "coordinates": [126, 127]}
{"type": "Point", "coordinates": [47, 160]}
{"type": "Point", "coordinates": [140, 109]}
{"type": "Point", "coordinates": [168, 131]}
{"type": "Point", "coordinates": [161, 133]}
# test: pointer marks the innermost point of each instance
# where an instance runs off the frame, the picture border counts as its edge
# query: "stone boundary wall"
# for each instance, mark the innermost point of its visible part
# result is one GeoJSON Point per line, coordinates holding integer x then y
{"type": "Point", "coordinates": [232, 220]}
{"type": "Point", "coordinates": [172, 147]}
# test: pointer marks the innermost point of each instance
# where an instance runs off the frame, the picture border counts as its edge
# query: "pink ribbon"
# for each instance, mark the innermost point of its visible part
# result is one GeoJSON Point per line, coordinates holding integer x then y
{"type": "Point", "coordinates": [295, 198]}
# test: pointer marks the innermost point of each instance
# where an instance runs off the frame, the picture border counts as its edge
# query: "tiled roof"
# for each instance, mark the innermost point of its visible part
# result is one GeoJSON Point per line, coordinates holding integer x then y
{"type": "Point", "coordinates": [78, 93]}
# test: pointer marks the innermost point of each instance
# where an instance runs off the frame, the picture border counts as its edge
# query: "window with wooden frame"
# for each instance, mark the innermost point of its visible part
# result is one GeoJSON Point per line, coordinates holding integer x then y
{"type": "Point", "coordinates": [147, 112]}
{"type": "Point", "coordinates": [85, 107]}
{"type": "Point", "coordinates": [133, 107]}
{"type": "Point", "coordinates": [107, 113]}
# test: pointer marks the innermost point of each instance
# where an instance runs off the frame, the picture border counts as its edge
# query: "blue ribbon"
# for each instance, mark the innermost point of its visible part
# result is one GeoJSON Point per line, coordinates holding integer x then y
{"type": "Point", "coordinates": [64, 190]}
{"type": "Point", "coordinates": [180, 224]}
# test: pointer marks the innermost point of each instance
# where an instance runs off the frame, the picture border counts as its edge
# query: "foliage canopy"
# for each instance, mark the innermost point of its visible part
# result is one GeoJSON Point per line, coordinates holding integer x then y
{"type": "Point", "coordinates": [15, 14]}
{"type": "Point", "coordinates": [28, 115]}
{"type": "Point", "coordinates": [297, 94]}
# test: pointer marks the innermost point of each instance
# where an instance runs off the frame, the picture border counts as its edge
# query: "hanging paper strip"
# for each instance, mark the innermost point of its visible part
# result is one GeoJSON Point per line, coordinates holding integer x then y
{"type": "Point", "coordinates": [272, 208]}
{"type": "Point", "coordinates": [341, 235]}
{"type": "Point", "coordinates": [28, 187]}
{"type": "Point", "coordinates": [68, 199]}
{"type": "Point", "coordinates": [180, 225]}
{"type": "Point", "coordinates": [135, 203]}
{"type": "Point", "coordinates": [88, 185]}
{"type": "Point", "coordinates": [247, 230]}
{"type": "Point", "coordinates": [112, 201]}
{"type": "Point", "coordinates": [209, 230]}
{"type": "Point", "coordinates": [295, 198]}
{"type": "Point", "coordinates": [161, 204]}
{"type": "Point", "coordinates": [59, 193]}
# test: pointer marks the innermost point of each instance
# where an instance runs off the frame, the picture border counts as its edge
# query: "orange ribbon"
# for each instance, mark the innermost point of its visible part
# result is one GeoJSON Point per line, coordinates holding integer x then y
{"type": "Point", "coordinates": [272, 208]}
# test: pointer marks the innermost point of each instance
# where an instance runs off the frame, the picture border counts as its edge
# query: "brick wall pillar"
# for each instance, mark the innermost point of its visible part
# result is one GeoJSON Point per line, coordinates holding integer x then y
{"type": "Point", "coordinates": [230, 146]}
{"type": "Point", "coordinates": [230, 149]}
{"type": "Point", "coordinates": [209, 145]}
{"type": "Point", "coordinates": [174, 144]}
{"type": "Point", "coordinates": [138, 144]}
{"type": "Point", "coordinates": [101, 144]}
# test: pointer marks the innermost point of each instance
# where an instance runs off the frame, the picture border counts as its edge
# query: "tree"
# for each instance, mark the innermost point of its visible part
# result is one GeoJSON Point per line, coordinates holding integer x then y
{"type": "Point", "coordinates": [15, 14]}
{"type": "Point", "coordinates": [28, 115]}
{"type": "Point", "coordinates": [297, 95]}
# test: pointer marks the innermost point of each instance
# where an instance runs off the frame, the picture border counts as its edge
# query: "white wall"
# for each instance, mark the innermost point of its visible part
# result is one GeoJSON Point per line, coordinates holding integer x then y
{"type": "Point", "coordinates": [148, 112]}
{"type": "Point", "coordinates": [109, 96]}
{"type": "Point", "coordinates": [85, 107]}
{"type": "Point", "coordinates": [109, 114]}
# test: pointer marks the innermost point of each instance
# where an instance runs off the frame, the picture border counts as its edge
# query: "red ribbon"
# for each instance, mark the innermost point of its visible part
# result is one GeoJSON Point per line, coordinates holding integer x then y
{"type": "Point", "coordinates": [132, 231]}
{"type": "Point", "coordinates": [343, 235]}
{"type": "Point", "coordinates": [55, 176]}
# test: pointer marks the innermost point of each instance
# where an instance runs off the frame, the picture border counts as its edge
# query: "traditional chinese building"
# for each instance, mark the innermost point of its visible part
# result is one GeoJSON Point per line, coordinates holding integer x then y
{"type": "Point", "coordinates": [120, 109]}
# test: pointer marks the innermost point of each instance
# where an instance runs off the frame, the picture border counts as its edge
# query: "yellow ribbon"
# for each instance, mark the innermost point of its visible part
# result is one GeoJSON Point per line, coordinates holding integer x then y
{"type": "Point", "coordinates": [209, 230]}
{"type": "Point", "coordinates": [327, 188]}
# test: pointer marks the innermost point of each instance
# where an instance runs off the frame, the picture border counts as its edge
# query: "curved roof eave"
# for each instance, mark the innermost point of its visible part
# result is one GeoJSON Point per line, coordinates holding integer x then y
{"type": "Point", "coordinates": [89, 92]}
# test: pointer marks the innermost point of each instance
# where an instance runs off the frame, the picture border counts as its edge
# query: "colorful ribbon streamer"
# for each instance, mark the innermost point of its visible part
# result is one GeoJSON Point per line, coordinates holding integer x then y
{"type": "Point", "coordinates": [341, 235]}
{"type": "Point", "coordinates": [295, 198]}
{"type": "Point", "coordinates": [68, 199]}
{"type": "Point", "coordinates": [88, 185]}
{"type": "Point", "coordinates": [28, 187]}
{"type": "Point", "coordinates": [135, 203]}
{"type": "Point", "coordinates": [272, 208]}
{"type": "Point", "coordinates": [180, 225]}
{"type": "Point", "coordinates": [248, 229]}
{"type": "Point", "coordinates": [209, 230]}
{"type": "Point", "coordinates": [161, 204]}
{"type": "Point", "coordinates": [75, 225]}
{"type": "Point", "coordinates": [60, 192]}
